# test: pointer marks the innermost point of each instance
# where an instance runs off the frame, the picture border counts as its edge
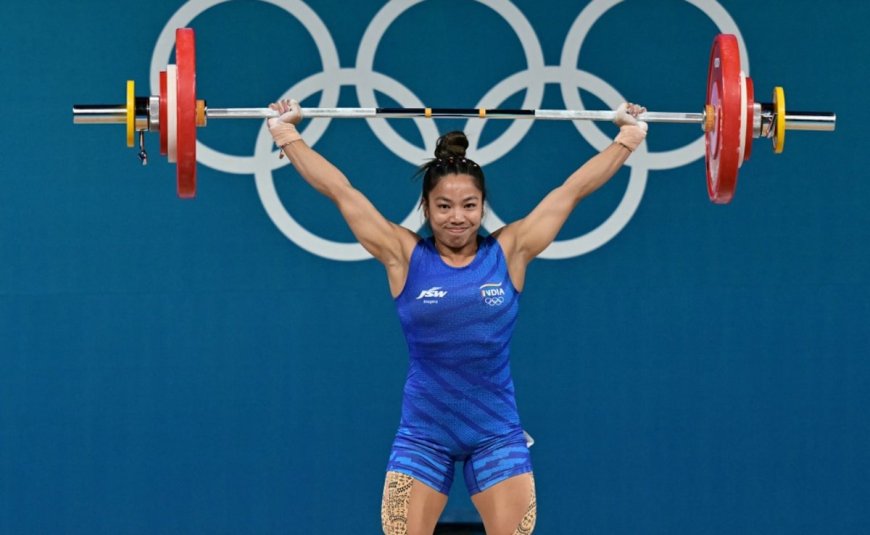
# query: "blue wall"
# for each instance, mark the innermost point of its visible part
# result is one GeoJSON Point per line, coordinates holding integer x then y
{"type": "Point", "coordinates": [173, 366]}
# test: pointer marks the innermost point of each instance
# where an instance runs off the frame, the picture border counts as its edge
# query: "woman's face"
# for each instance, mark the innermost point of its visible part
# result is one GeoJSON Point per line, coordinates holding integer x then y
{"type": "Point", "coordinates": [455, 210]}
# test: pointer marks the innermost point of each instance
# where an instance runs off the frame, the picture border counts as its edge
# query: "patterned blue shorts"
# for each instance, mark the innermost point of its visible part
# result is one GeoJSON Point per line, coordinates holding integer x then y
{"type": "Point", "coordinates": [491, 463]}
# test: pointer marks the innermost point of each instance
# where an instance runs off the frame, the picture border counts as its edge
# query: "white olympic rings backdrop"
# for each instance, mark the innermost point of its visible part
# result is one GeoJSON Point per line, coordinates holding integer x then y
{"type": "Point", "coordinates": [532, 80]}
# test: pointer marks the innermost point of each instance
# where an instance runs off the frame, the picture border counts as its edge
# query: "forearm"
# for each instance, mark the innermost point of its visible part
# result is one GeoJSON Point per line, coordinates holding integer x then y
{"type": "Point", "coordinates": [596, 172]}
{"type": "Point", "coordinates": [529, 236]}
{"type": "Point", "coordinates": [322, 175]}
{"type": "Point", "coordinates": [314, 168]}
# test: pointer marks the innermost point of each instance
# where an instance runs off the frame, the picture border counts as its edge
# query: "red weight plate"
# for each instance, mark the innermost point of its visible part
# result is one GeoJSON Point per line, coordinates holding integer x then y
{"type": "Point", "coordinates": [185, 57]}
{"type": "Point", "coordinates": [723, 141]}
{"type": "Point", "coordinates": [750, 117]}
{"type": "Point", "coordinates": [163, 119]}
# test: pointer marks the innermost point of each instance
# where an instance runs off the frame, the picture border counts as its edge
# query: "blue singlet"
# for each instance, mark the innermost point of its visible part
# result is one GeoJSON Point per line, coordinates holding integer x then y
{"type": "Point", "coordinates": [458, 402]}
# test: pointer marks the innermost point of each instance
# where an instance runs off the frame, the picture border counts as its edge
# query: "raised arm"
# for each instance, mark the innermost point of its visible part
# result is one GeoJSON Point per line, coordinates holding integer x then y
{"type": "Point", "coordinates": [389, 243]}
{"type": "Point", "coordinates": [526, 238]}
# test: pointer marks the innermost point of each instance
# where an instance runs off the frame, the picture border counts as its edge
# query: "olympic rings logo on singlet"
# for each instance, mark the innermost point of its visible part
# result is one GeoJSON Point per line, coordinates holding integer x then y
{"type": "Point", "coordinates": [494, 301]}
{"type": "Point", "coordinates": [531, 81]}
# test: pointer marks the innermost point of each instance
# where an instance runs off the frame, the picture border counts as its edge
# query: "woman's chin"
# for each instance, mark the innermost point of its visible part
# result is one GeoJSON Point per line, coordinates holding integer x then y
{"type": "Point", "coordinates": [456, 240]}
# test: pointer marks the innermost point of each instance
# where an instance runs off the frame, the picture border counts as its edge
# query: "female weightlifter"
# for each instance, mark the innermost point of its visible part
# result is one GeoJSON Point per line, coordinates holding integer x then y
{"type": "Point", "coordinates": [456, 293]}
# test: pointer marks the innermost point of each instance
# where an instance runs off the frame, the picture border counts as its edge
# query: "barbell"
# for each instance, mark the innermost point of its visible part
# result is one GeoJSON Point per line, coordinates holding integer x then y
{"type": "Point", "coordinates": [730, 119]}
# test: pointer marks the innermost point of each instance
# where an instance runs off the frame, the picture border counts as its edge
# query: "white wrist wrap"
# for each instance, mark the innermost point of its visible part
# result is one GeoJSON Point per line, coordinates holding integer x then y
{"type": "Point", "coordinates": [630, 136]}
{"type": "Point", "coordinates": [284, 133]}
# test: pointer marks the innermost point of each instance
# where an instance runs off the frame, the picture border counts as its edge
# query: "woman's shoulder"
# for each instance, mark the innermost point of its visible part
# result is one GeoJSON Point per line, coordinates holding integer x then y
{"type": "Point", "coordinates": [501, 240]}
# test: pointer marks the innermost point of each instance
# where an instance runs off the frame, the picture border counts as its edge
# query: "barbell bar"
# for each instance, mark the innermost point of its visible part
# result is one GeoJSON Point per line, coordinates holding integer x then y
{"type": "Point", "coordinates": [731, 118]}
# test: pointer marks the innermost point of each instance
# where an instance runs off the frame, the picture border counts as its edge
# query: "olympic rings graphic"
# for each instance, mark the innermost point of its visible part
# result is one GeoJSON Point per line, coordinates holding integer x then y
{"type": "Point", "coordinates": [494, 301]}
{"type": "Point", "coordinates": [531, 81]}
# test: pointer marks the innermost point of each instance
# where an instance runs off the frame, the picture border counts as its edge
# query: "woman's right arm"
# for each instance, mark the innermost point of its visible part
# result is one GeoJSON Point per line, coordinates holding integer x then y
{"type": "Point", "coordinates": [390, 243]}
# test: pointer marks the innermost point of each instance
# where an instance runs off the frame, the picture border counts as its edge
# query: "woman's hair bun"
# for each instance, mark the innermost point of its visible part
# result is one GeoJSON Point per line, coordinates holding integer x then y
{"type": "Point", "coordinates": [451, 145]}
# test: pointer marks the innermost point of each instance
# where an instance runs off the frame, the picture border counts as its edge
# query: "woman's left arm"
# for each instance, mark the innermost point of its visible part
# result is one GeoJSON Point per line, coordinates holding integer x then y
{"type": "Point", "coordinates": [526, 238]}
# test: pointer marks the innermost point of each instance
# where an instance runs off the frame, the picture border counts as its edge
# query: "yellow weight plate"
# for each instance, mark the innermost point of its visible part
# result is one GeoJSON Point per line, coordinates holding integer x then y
{"type": "Point", "coordinates": [131, 113]}
{"type": "Point", "coordinates": [779, 109]}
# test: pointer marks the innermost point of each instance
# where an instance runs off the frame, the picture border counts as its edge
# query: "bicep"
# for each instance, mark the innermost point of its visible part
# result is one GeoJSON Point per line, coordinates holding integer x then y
{"type": "Point", "coordinates": [535, 232]}
{"type": "Point", "coordinates": [538, 230]}
{"type": "Point", "coordinates": [383, 239]}
{"type": "Point", "coordinates": [386, 241]}
{"type": "Point", "coordinates": [526, 238]}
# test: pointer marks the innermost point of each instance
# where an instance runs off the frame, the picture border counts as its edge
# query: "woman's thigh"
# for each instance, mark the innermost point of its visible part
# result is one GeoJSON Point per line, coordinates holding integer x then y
{"type": "Point", "coordinates": [508, 507]}
{"type": "Point", "coordinates": [410, 507]}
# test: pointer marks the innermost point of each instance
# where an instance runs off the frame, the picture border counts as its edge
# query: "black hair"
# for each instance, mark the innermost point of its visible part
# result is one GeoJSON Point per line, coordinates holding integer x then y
{"type": "Point", "coordinates": [450, 159]}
